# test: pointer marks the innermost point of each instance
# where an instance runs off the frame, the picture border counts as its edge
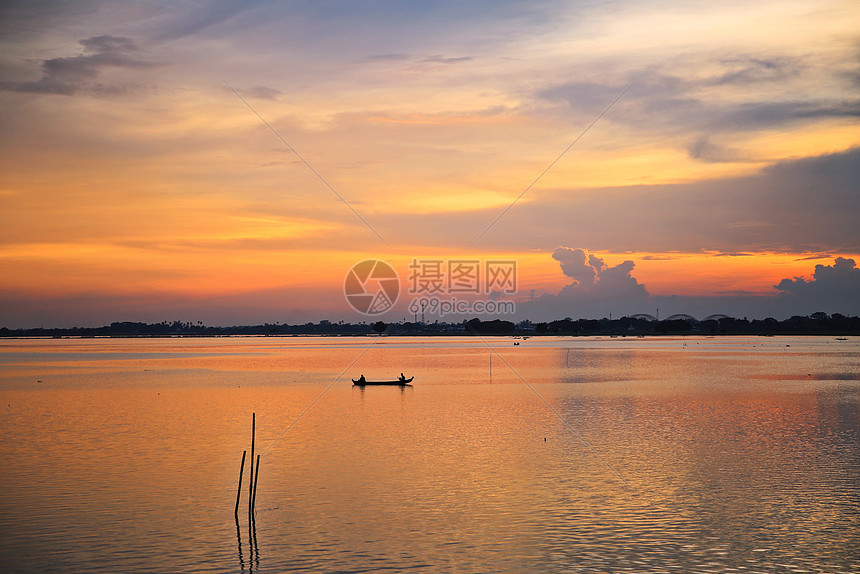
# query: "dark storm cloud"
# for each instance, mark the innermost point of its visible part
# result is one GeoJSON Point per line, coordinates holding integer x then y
{"type": "Point", "coordinates": [839, 282]}
{"type": "Point", "coordinates": [79, 74]}
{"type": "Point", "coordinates": [809, 205]}
{"type": "Point", "coordinates": [578, 265]}
{"type": "Point", "coordinates": [664, 99]}
{"type": "Point", "coordinates": [596, 289]}
{"type": "Point", "coordinates": [832, 289]}
{"type": "Point", "coordinates": [594, 279]}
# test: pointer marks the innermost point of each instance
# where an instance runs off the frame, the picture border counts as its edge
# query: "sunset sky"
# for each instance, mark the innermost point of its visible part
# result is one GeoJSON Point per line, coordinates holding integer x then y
{"type": "Point", "coordinates": [135, 185]}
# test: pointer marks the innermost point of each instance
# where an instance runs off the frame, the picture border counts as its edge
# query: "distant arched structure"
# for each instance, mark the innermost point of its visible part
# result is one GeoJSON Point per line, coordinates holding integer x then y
{"type": "Point", "coordinates": [716, 317]}
{"type": "Point", "coordinates": [682, 317]}
{"type": "Point", "coordinates": [643, 316]}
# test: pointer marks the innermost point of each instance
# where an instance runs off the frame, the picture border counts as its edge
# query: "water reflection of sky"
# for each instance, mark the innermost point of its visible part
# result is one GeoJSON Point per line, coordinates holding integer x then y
{"type": "Point", "coordinates": [737, 456]}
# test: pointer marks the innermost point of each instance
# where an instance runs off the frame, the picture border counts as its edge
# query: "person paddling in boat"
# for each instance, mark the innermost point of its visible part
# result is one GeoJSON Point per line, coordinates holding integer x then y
{"type": "Point", "coordinates": [361, 379]}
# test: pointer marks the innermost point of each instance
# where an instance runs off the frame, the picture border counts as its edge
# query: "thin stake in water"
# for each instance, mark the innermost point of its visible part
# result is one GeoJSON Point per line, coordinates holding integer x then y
{"type": "Point", "coordinates": [256, 478]}
{"type": "Point", "coordinates": [251, 475]}
{"type": "Point", "coordinates": [239, 490]}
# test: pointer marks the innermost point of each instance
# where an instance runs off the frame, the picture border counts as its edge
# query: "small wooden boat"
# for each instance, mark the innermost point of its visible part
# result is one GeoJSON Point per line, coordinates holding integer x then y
{"type": "Point", "coordinates": [400, 382]}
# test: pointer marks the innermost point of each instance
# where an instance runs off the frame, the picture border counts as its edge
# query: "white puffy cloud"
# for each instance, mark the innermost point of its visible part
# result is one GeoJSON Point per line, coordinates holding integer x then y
{"type": "Point", "coordinates": [578, 264]}
{"type": "Point", "coordinates": [591, 275]}
{"type": "Point", "coordinates": [597, 289]}
{"type": "Point", "coordinates": [833, 288]}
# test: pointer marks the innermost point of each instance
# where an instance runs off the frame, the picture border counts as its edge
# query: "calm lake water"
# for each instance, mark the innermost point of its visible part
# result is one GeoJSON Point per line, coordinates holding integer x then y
{"type": "Point", "coordinates": [729, 454]}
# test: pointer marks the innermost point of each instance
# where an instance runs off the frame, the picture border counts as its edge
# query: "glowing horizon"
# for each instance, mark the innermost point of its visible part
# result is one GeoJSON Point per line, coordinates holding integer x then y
{"type": "Point", "coordinates": [133, 175]}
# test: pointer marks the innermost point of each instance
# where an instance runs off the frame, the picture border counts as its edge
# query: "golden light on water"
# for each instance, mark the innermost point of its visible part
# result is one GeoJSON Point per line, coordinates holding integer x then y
{"type": "Point", "coordinates": [734, 452]}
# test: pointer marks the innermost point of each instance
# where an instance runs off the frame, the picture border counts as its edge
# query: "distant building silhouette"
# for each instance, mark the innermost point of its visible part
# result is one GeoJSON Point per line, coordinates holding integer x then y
{"type": "Point", "coordinates": [681, 317]}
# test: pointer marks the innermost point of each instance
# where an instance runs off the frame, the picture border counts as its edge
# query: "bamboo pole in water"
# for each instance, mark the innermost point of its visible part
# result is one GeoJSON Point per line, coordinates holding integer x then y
{"type": "Point", "coordinates": [239, 490]}
{"type": "Point", "coordinates": [251, 469]}
{"type": "Point", "coordinates": [256, 477]}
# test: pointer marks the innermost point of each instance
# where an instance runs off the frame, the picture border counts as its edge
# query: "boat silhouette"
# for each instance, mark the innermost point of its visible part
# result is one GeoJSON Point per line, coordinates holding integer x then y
{"type": "Point", "coordinates": [361, 381]}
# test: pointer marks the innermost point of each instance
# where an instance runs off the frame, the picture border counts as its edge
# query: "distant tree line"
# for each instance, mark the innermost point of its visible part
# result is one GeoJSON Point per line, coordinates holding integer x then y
{"type": "Point", "coordinates": [815, 324]}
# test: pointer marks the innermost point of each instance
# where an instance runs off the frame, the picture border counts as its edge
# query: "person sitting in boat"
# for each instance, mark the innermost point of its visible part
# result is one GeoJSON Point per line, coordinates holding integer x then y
{"type": "Point", "coordinates": [402, 377]}
{"type": "Point", "coordinates": [361, 379]}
